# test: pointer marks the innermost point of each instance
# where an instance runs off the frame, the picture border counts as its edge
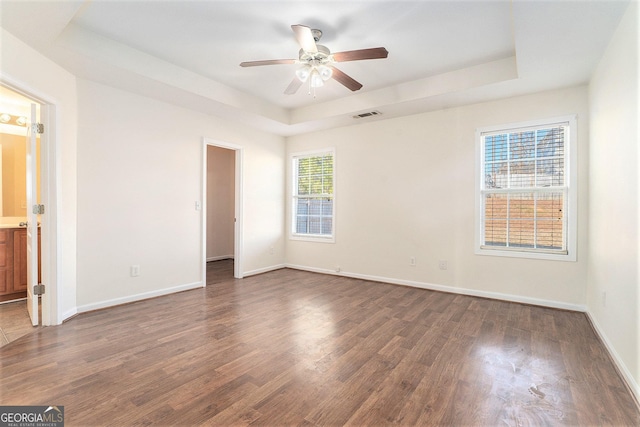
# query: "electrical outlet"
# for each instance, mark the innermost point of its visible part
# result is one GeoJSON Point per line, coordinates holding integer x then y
{"type": "Point", "coordinates": [412, 261]}
{"type": "Point", "coordinates": [271, 250]}
{"type": "Point", "coordinates": [442, 265]}
{"type": "Point", "coordinates": [337, 269]}
{"type": "Point", "coordinates": [135, 270]}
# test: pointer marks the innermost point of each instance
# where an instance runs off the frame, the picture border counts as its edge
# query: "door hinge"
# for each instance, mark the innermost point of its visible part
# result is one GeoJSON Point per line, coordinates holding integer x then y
{"type": "Point", "coordinates": [38, 289]}
{"type": "Point", "coordinates": [38, 209]}
{"type": "Point", "coordinates": [37, 128]}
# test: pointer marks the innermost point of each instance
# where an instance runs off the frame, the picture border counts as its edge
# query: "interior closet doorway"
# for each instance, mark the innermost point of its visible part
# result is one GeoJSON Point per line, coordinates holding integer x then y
{"type": "Point", "coordinates": [222, 217]}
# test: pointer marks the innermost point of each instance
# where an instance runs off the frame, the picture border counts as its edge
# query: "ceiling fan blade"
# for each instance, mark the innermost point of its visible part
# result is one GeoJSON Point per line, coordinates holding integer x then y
{"type": "Point", "coordinates": [293, 86]}
{"type": "Point", "coordinates": [267, 62]}
{"type": "Point", "coordinates": [357, 55]}
{"type": "Point", "coordinates": [305, 38]}
{"type": "Point", "coordinates": [345, 80]}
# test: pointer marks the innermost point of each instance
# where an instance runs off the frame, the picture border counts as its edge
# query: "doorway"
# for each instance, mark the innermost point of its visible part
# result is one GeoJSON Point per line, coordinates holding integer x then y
{"type": "Point", "coordinates": [16, 104]}
{"type": "Point", "coordinates": [222, 209]}
{"type": "Point", "coordinates": [17, 194]}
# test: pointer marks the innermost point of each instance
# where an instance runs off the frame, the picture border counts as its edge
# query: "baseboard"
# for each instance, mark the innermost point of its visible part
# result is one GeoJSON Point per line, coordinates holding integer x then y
{"type": "Point", "coordinates": [137, 297]}
{"type": "Point", "coordinates": [631, 383]}
{"type": "Point", "coordinates": [263, 270]}
{"type": "Point", "coordinates": [448, 289]}
{"type": "Point", "coordinates": [157, 293]}
{"type": "Point", "coordinates": [219, 258]}
{"type": "Point", "coordinates": [67, 315]}
{"type": "Point", "coordinates": [9, 301]}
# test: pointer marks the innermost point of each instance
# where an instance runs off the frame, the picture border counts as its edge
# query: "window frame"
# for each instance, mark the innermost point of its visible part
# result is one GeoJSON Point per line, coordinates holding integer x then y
{"type": "Point", "coordinates": [570, 189]}
{"type": "Point", "coordinates": [293, 197]}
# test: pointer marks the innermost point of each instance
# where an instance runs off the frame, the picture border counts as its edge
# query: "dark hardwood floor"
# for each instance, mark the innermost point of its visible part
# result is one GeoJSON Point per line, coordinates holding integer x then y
{"type": "Point", "coordinates": [298, 348]}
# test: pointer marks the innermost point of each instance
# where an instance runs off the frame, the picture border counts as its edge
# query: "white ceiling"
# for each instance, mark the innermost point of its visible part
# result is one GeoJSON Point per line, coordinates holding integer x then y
{"type": "Point", "coordinates": [441, 53]}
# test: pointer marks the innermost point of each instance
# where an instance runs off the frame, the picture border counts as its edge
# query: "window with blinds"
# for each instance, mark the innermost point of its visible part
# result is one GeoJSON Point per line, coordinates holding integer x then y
{"type": "Point", "coordinates": [524, 194]}
{"type": "Point", "coordinates": [313, 195]}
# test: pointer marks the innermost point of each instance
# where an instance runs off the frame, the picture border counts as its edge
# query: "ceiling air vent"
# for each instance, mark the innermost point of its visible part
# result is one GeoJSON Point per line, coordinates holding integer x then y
{"type": "Point", "coordinates": [367, 114]}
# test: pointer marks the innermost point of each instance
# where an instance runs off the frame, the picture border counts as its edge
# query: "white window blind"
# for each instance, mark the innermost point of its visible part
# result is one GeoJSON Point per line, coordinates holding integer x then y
{"type": "Point", "coordinates": [313, 195]}
{"type": "Point", "coordinates": [524, 189]}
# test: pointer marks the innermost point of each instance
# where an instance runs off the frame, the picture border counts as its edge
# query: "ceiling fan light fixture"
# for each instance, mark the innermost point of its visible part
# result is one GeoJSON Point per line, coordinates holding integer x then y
{"type": "Point", "coordinates": [325, 72]}
{"type": "Point", "coordinates": [316, 79]}
{"type": "Point", "coordinates": [302, 73]}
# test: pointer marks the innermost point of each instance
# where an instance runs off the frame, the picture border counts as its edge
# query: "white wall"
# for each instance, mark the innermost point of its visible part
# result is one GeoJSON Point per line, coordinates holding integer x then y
{"type": "Point", "coordinates": [406, 186]}
{"type": "Point", "coordinates": [132, 167]}
{"type": "Point", "coordinates": [139, 176]}
{"type": "Point", "coordinates": [614, 194]}
{"type": "Point", "coordinates": [38, 76]}
{"type": "Point", "coordinates": [220, 202]}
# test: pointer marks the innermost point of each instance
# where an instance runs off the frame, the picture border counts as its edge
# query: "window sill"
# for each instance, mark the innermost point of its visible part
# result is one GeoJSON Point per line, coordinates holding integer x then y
{"type": "Point", "coordinates": [530, 254]}
{"type": "Point", "coordinates": [312, 238]}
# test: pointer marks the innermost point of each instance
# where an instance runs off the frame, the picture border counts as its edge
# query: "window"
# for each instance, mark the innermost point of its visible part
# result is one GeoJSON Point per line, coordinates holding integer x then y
{"type": "Point", "coordinates": [313, 196]}
{"type": "Point", "coordinates": [526, 198]}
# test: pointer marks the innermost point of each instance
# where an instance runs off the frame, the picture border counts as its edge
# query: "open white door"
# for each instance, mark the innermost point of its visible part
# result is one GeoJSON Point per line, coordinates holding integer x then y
{"type": "Point", "coordinates": [32, 219]}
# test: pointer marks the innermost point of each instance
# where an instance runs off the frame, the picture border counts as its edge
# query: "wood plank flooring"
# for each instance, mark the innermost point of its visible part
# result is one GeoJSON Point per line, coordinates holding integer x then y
{"type": "Point", "coordinates": [297, 348]}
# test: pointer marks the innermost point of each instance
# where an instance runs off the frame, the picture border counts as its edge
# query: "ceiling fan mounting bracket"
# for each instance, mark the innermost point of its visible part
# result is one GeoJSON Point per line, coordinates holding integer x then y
{"type": "Point", "coordinates": [317, 34]}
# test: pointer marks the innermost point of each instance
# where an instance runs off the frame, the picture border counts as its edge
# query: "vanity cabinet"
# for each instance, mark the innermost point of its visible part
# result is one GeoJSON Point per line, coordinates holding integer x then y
{"type": "Point", "coordinates": [20, 259]}
{"type": "Point", "coordinates": [6, 261]}
{"type": "Point", "coordinates": [13, 263]}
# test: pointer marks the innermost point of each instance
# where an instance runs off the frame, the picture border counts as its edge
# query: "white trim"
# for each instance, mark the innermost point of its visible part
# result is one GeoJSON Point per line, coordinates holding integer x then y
{"type": "Point", "coordinates": [238, 244]}
{"type": "Point", "coordinates": [12, 300]}
{"type": "Point", "coordinates": [528, 125]}
{"type": "Point", "coordinates": [524, 253]}
{"type": "Point", "coordinates": [318, 238]}
{"type": "Point", "coordinates": [68, 314]}
{"type": "Point", "coordinates": [308, 153]}
{"type": "Point", "coordinates": [571, 186]}
{"type": "Point", "coordinates": [617, 360]}
{"type": "Point", "coordinates": [264, 270]}
{"type": "Point", "coordinates": [219, 258]}
{"type": "Point", "coordinates": [138, 297]}
{"type": "Point", "coordinates": [50, 301]}
{"type": "Point", "coordinates": [448, 289]}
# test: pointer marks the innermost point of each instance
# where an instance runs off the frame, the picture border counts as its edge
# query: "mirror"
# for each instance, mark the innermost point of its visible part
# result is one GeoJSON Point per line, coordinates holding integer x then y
{"type": "Point", "coordinates": [13, 154]}
{"type": "Point", "coordinates": [13, 167]}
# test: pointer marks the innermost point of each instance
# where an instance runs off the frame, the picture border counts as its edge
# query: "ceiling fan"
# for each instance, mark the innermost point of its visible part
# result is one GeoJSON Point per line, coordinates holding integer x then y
{"type": "Point", "coordinates": [318, 62]}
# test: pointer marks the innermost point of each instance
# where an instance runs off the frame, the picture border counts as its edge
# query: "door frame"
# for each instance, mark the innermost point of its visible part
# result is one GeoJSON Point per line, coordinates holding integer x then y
{"type": "Point", "coordinates": [238, 226]}
{"type": "Point", "coordinates": [32, 245]}
{"type": "Point", "coordinates": [48, 196]}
